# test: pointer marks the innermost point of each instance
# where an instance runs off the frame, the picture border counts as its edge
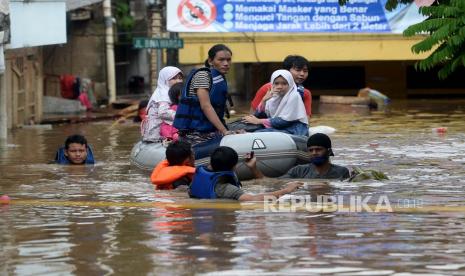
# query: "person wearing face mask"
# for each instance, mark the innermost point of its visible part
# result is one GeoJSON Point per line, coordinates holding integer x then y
{"type": "Point", "coordinates": [320, 166]}
{"type": "Point", "coordinates": [281, 109]}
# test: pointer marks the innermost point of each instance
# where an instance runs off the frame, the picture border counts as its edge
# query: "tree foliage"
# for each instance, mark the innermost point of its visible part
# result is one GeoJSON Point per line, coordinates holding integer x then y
{"type": "Point", "coordinates": [124, 20]}
{"type": "Point", "coordinates": [444, 31]}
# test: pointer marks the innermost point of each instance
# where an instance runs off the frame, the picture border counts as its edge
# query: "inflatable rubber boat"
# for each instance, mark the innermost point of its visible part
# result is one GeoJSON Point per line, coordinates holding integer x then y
{"type": "Point", "coordinates": [276, 152]}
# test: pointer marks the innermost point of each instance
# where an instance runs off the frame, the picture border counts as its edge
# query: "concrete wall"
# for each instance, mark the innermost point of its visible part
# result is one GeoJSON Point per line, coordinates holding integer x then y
{"type": "Point", "coordinates": [273, 47]}
{"type": "Point", "coordinates": [83, 55]}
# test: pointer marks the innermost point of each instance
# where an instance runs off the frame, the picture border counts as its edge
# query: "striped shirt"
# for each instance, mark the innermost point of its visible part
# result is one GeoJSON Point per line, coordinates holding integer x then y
{"type": "Point", "coordinates": [201, 79]}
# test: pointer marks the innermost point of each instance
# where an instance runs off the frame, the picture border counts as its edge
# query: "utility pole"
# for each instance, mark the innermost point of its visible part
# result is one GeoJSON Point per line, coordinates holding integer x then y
{"type": "Point", "coordinates": [4, 38]}
{"type": "Point", "coordinates": [155, 55]}
{"type": "Point", "coordinates": [110, 50]}
{"type": "Point", "coordinates": [3, 112]}
{"type": "Point", "coordinates": [172, 55]}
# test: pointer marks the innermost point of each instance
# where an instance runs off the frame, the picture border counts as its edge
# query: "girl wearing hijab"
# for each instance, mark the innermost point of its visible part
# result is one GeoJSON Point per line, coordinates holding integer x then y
{"type": "Point", "coordinates": [158, 108]}
{"type": "Point", "coordinates": [282, 107]}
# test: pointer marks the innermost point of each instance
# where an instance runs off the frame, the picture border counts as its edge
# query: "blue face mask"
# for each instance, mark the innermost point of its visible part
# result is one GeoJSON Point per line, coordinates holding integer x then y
{"type": "Point", "coordinates": [319, 160]}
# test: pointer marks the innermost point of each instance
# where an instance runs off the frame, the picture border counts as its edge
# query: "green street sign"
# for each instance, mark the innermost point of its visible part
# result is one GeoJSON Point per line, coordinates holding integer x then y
{"type": "Point", "coordinates": [157, 43]}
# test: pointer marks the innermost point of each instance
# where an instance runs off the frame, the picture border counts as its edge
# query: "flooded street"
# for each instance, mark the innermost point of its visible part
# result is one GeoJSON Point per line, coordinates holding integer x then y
{"type": "Point", "coordinates": [109, 219]}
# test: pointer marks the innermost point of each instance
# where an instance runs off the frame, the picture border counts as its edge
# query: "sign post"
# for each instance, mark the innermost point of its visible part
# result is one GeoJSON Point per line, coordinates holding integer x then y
{"type": "Point", "coordinates": [157, 43]}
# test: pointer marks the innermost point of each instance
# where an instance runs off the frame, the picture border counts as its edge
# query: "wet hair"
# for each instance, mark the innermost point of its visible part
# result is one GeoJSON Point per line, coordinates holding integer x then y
{"type": "Point", "coordinates": [223, 159]}
{"type": "Point", "coordinates": [76, 139]}
{"type": "Point", "coordinates": [174, 92]}
{"type": "Point", "coordinates": [177, 152]}
{"type": "Point", "coordinates": [143, 104]}
{"type": "Point", "coordinates": [215, 49]}
{"type": "Point", "coordinates": [294, 61]}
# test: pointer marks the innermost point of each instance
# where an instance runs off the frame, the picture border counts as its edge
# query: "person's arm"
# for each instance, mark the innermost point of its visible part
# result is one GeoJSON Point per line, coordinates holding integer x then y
{"type": "Point", "coordinates": [260, 110]}
{"type": "Point", "coordinates": [269, 94]}
{"type": "Point", "coordinates": [275, 122]}
{"type": "Point", "coordinates": [290, 187]}
{"type": "Point", "coordinates": [165, 112]}
{"type": "Point", "coordinates": [251, 119]}
{"type": "Point", "coordinates": [279, 123]}
{"type": "Point", "coordinates": [308, 102]}
{"type": "Point", "coordinates": [260, 114]}
{"type": "Point", "coordinates": [252, 165]}
{"type": "Point", "coordinates": [209, 111]}
{"type": "Point", "coordinates": [257, 173]}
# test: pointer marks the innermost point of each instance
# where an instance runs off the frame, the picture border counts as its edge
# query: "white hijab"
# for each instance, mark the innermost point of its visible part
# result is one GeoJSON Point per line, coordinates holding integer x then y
{"type": "Point", "coordinates": [161, 92]}
{"type": "Point", "coordinates": [289, 107]}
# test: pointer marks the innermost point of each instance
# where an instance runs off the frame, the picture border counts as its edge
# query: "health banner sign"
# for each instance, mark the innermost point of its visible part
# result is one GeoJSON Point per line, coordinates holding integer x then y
{"type": "Point", "coordinates": [314, 16]}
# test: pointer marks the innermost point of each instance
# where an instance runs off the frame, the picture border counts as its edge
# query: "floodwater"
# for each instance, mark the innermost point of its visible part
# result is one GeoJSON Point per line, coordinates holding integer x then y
{"type": "Point", "coordinates": [108, 219]}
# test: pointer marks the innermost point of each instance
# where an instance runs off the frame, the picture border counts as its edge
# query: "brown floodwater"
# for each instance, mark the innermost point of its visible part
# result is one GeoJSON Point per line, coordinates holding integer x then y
{"type": "Point", "coordinates": [108, 219]}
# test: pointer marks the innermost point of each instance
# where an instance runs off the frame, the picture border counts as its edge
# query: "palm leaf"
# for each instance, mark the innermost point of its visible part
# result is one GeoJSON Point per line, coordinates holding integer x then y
{"type": "Point", "coordinates": [359, 175]}
{"type": "Point", "coordinates": [444, 31]}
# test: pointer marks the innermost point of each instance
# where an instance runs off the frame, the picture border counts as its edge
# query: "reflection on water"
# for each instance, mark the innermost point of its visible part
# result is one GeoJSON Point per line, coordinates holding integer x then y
{"type": "Point", "coordinates": [86, 238]}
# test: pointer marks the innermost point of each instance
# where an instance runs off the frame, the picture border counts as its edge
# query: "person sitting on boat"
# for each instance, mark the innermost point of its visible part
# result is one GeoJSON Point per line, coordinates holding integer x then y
{"type": "Point", "coordinates": [320, 167]}
{"type": "Point", "coordinates": [76, 151]}
{"type": "Point", "coordinates": [177, 169]}
{"type": "Point", "coordinates": [200, 114]}
{"type": "Point", "coordinates": [167, 130]}
{"type": "Point", "coordinates": [218, 180]}
{"type": "Point", "coordinates": [281, 108]}
{"type": "Point", "coordinates": [377, 99]}
{"type": "Point", "coordinates": [299, 67]}
{"type": "Point", "coordinates": [158, 108]}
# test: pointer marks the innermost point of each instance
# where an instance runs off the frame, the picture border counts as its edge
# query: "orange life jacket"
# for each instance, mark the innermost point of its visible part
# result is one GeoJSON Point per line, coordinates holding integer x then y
{"type": "Point", "coordinates": [164, 175]}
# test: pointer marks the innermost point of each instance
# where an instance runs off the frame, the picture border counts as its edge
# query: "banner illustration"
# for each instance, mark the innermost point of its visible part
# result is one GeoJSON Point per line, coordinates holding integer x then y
{"type": "Point", "coordinates": [314, 16]}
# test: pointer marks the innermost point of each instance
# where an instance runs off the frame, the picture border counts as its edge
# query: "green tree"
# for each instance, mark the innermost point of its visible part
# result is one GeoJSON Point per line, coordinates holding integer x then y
{"type": "Point", "coordinates": [444, 31]}
{"type": "Point", "coordinates": [124, 20]}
